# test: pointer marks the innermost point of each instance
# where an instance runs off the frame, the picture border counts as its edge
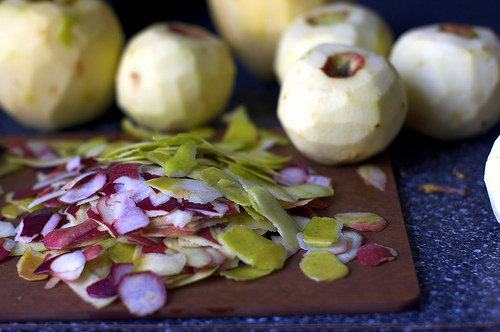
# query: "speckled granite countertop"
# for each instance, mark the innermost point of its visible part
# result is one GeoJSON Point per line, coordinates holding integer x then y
{"type": "Point", "coordinates": [455, 240]}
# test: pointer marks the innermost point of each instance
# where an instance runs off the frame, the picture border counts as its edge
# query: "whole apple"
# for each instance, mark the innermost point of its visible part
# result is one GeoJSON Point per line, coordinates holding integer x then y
{"type": "Point", "coordinates": [174, 76]}
{"type": "Point", "coordinates": [452, 77]}
{"type": "Point", "coordinates": [341, 104]}
{"type": "Point", "coordinates": [58, 61]}
{"type": "Point", "coordinates": [253, 28]}
{"type": "Point", "coordinates": [341, 23]}
{"type": "Point", "coordinates": [492, 177]}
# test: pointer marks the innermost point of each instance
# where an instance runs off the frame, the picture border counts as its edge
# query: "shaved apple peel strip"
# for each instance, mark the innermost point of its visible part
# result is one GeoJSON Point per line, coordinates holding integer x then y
{"type": "Point", "coordinates": [204, 176]}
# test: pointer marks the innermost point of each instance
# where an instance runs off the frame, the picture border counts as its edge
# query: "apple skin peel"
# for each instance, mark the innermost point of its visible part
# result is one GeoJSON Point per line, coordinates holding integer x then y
{"type": "Point", "coordinates": [346, 117]}
{"type": "Point", "coordinates": [452, 77]}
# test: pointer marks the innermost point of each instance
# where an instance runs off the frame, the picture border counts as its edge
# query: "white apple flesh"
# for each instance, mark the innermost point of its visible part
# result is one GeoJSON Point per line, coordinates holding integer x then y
{"type": "Point", "coordinates": [57, 61]}
{"type": "Point", "coordinates": [6, 245]}
{"type": "Point", "coordinates": [341, 104]}
{"type": "Point", "coordinates": [340, 23]}
{"type": "Point", "coordinates": [452, 77]}
{"type": "Point", "coordinates": [7, 229]}
{"type": "Point", "coordinates": [174, 76]}
{"type": "Point", "coordinates": [492, 178]}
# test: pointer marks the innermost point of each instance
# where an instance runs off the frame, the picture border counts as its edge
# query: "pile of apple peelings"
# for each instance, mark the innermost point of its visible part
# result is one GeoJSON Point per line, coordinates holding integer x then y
{"type": "Point", "coordinates": [128, 220]}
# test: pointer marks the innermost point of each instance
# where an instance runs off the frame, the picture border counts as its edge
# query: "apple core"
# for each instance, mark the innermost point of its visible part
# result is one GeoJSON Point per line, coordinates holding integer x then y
{"type": "Point", "coordinates": [464, 31]}
{"type": "Point", "coordinates": [343, 65]}
{"type": "Point", "coordinates": [327, 18]}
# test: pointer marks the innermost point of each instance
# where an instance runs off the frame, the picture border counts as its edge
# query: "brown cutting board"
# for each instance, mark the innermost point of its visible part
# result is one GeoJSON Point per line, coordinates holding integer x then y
{"type": "Point", "coordinates": [390, 287]}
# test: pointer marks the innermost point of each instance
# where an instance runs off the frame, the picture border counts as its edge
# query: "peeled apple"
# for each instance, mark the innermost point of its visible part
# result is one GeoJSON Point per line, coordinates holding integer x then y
{"type": "Point", "coordinates": [253, 28]}
{"type": "Point", "coordinates": [57, 61]}
{"type": "Point", "coordinates": [341, 23]}
{"type": "Point", "coordinates": [173, 76]}
{"type": "Point", "coordinates": [452, 77]}
{"type": "Point", "coordinates": [341, 104]}
{"type": "Point", "coordinates": [492, 178]}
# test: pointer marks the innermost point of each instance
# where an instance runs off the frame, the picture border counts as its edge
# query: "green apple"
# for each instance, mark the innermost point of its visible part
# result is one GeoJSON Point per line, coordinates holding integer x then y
{"type": "Point", "coordinates": [341, 23]}
{"type": "Point", "coordinates": [341, 104]}
{"type": "Point", "coordinates": [452, 77]}
{"type": "Point", "coordinates": [174, 75]}
{"type": "Point", "coordinates": [57, 61]}
{"type": "Point", "coordinates": [253, 28]}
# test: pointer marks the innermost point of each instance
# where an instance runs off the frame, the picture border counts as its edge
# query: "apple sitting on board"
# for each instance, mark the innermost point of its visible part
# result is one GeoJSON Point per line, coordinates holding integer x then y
{"type": "Point", "coordinates": [341, 104]}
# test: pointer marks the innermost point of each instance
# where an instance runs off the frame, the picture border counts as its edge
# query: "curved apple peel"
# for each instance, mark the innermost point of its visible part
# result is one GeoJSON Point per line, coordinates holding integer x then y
{"type": "Point", "coordinates": [67, 266]}
{"type": "Point", "coordinates": [87, 188]}
{"type": "Point", "coordinates": [6, 245]}
{"type": "Point", "coordinates": [373, 175]}
{"type": "Point", "coordinates": [322, 232]}
{"type": "Point", "coordinates": [362, 221]}
{"type": "Point", "coordinates": [60, 238]}
{"type": "Point", "coordinates": [264, 203]}
{"type": "Point", "coordinates": [161, 264]}
{"type": "Point", "coordinates": [322, 265]}
{"type": "Point", "coordinates": [339, 247]}
{"type": "Point", "coordinates": [142, 293]}
{"type": "Point", "coordinates": [373, 254]}
{"type": "Point", "coordinates": [354, 242]}
{"type": "Point", "coordinates": [103, 288]}
{"type": "Point", "coordinates": [245, 272]}
{"type": "Point", "coordinates": [182, 162]}
{"type": "Point", "coordinates": [28, 263]}
{"type": "Point", "coordinates": [7, 229]}
{"type": "Point", "coordinates": [252, 248]}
